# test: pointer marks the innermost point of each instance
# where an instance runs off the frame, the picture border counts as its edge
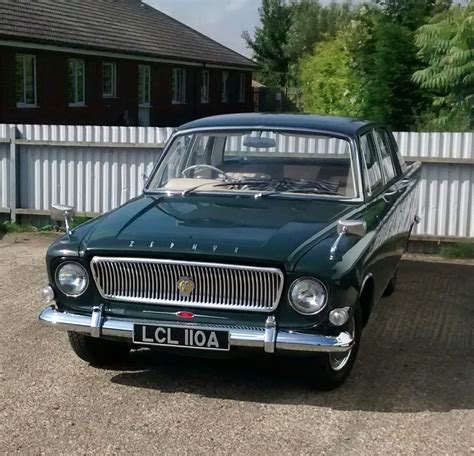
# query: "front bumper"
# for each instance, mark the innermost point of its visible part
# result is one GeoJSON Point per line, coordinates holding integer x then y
{"type": "Point", "coordinates": [267, 339]}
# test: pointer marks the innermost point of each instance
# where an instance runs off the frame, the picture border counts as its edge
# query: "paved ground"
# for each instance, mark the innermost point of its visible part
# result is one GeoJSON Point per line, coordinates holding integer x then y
{"type": "Point", "coordinates": [411, 391]}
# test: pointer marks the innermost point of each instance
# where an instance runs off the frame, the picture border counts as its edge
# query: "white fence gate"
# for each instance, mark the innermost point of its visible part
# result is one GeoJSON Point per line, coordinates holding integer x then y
{"type": "Point", "coordinates": [97, 169]}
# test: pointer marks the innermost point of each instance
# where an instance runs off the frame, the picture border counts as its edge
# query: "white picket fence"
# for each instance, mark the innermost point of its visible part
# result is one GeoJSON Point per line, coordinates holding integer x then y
{"type": "Point", "coordinates": [99, 168]}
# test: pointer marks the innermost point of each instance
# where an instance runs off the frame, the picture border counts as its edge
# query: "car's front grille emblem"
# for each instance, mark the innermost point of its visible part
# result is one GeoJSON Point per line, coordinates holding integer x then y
{"type": "Point", "coordinates": [185, 286]}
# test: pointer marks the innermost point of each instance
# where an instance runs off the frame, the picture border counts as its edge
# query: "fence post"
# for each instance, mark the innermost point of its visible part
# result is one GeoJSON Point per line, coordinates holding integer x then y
{"type": "Point", "coordinates": [13, 175]}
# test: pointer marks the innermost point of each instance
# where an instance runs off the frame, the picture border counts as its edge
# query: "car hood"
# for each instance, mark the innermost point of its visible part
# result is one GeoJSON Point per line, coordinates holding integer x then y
{"type": "Point", "coordinates": [195, 227]}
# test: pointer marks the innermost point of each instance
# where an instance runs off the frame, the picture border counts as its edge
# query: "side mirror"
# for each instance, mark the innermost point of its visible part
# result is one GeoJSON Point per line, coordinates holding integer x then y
{"type": "Point", "coordinates": [63, 213]}
{"type": "Point", "coordinates": [354, 227]}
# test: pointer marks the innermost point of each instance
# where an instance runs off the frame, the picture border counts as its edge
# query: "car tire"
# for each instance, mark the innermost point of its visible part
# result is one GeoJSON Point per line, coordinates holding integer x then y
{"type": "Point", "coordinates": [98, 352]}
{"type": "Point", "coordinates": [392, 285]}
{"type": "Point", "coordinates": [331, 371]}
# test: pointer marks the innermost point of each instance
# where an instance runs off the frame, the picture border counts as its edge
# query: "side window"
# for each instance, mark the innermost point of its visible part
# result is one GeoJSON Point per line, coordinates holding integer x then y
{"type": "Point", "coordinates": [372, 171]}
{"type": "Point", "coordinates": [382, 142]}
{"type": "Point", "coordinates": [401, 160]}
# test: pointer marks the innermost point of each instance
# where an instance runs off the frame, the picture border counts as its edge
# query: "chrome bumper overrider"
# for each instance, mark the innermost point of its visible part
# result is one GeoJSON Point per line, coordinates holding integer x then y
{"type": "Point", "coordinates": [268, 339]}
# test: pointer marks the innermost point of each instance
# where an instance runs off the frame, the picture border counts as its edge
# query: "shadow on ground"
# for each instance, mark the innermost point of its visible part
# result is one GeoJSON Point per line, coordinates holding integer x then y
{"type": "Point", "coordinates": [416, 355]}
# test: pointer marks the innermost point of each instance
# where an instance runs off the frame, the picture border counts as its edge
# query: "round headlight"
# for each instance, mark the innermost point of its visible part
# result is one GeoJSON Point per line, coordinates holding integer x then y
{"type": "Point", "coordinates": [72, 279]}
{"type": "Point", "coordinates": [308, 296]}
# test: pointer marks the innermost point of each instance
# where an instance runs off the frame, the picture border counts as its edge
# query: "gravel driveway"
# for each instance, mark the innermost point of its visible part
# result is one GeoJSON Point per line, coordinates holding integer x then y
{"type": "Point", "coordinates": [411, 390]}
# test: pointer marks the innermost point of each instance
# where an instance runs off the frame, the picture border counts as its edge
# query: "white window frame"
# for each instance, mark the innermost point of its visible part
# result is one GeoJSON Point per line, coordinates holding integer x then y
{"type": "Point", "coordinates": [113, 66]}
{"type": "Point", "coordinates": [225, 86]}
{"type": "Point", "coordinates": [179, 86]}
{"type": "Point", "coordinates": [242, 91]}
{"type": "Point", "coordinates": [23, 104]}
{"type": "Point", "coordinates": [144, 75]}
{"type": "Point", "coordinates": [77, 102]}
{"type": "Point", "coordinates": [205, 86]}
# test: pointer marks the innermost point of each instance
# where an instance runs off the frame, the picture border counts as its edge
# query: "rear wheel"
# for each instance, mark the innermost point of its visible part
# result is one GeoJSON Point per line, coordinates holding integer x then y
{"type": "Point", "coordinates": [392, 285]}
{"type": "Point", "coordinates": [99, 352]}
{"type": "Point", "coordinates": [332, 369]}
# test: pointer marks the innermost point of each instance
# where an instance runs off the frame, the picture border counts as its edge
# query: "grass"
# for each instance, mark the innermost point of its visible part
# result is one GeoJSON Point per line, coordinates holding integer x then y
{"type": "Point", "coordinates": [8, 227]}
{"type": "Point", "coordinates": [458, 250]}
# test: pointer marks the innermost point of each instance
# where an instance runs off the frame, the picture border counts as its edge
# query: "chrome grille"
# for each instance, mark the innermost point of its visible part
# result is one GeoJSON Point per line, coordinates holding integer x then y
{"type": "Point", "coordinates": [218, 286]}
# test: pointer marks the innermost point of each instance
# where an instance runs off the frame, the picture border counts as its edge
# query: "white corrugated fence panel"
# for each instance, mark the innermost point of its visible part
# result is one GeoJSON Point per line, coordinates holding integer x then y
{"type": "Point", "coordinates": [98, 134]}
{"type": "Point", "coordinates": [4, 175]}
{"type": "Point", "coordinates": [436, 145]}
{"type": "Point", "coordinates": [91, 179]}
{"type": "Point", "coordinates": [446, 204]}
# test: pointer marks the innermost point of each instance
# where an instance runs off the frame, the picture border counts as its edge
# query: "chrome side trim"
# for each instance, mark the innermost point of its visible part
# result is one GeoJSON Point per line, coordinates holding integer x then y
{"type": "Point", "coordinates": [239, 337]}
{"type": "Point", "coordinates": [216, 285]}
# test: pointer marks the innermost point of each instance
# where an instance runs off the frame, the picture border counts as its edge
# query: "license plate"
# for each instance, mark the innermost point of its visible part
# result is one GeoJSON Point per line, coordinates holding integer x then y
{"type": "Point", "coordinates": [171, 336]}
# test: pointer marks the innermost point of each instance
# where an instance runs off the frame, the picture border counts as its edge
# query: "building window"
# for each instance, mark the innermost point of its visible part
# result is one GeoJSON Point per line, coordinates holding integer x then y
{"type": "Point", "coordinates": [77, 82]}
{"type": "Point", "coordinates": [179, 85]}
{"type": "Point", "coordinates": [204, 86]}
{"type": "Point", "coordinates": [242, 88]}
{"type": "Point", "coordinates": [109, 79]}
{"type": "Point", "coordinates": [144, 85]}
{"type": "Point", "coordinates": [225, 87]}
{"type": "Point", "coordinates": [25, 80]}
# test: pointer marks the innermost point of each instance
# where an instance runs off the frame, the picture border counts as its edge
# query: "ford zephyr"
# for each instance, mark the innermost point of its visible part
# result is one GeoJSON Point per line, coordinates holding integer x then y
{"type": "Point", "coordinates": [271, 233]}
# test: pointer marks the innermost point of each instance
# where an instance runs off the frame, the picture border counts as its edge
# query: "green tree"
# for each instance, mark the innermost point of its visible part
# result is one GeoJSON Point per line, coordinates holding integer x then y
{"type": "Point", "coordinates": [446, 45]}
{"type": "Point", "coordinates": [312, 23]}
{"type": "Point", "coordinates": [382, 46]}
{"type": "Point", "coordinates": [327, 81]}
{"type": "Point", "coordinates": [270, 41]}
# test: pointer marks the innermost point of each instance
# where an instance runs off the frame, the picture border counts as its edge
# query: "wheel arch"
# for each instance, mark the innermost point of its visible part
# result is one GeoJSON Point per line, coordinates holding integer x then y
{"type": "Point", "coordinates": [366, 297]}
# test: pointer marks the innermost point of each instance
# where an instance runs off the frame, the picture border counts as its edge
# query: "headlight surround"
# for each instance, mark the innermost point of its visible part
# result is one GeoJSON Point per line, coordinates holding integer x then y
{"type": "Point", "coordinates": [308, 295]}
{"type": "Point", "coordinates": [72, 279]}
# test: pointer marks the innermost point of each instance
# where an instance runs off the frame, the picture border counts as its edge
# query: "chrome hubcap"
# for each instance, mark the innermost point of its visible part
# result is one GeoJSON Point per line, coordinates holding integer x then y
{"type": "Point", "coordinates": [338, 361]}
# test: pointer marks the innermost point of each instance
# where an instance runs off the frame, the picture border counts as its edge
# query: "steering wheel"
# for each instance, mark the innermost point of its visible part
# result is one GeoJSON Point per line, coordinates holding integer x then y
{"type": "Point", "coordinates": [213, 168]}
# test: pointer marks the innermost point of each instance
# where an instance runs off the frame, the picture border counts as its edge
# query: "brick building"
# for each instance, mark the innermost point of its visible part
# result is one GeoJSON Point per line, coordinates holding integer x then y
{"type": "Point", "coordinates": [113, 62]}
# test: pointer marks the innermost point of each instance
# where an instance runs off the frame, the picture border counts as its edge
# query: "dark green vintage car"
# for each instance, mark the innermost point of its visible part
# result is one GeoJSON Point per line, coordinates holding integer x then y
{"type": "Point", "coordinates": [276, 233]}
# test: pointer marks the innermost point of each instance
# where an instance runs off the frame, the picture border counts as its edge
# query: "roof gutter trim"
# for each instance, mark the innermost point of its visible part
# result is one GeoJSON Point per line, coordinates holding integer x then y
{"type": "Point", "coordinates": [118, 55]}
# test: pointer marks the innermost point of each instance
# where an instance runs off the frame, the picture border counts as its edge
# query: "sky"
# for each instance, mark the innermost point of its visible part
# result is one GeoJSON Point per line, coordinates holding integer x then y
{"type": "Point", "coordinates": [222, 20]}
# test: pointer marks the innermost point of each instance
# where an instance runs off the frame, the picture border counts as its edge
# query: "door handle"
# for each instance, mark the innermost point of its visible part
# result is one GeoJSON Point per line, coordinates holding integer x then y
{"type": "Point", "coordinates": [387, 195]}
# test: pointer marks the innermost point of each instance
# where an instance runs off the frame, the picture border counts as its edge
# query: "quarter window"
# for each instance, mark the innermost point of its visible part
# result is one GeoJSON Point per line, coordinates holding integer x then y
{"type": "Point", "coordinates": [25, 80]}
{"type": "Point", "coordinates": [109, 79]}
{"type": "Point", "coordinates": [225, 87]}
{"type": "Point", "coordinates": [372, 171]}
{"type": "Point", "coordinates": [144, 81]}
{"type": "Point", "coordinates": [382, 143]}
{"type": "Point", "coordinates": [242, 88]}
{"type": "Point", "coordinates": [76, 82]}
{"type": "Point", "coordinates": [204, 86]}
{"type": "Point", "coordinates": [179, 85]}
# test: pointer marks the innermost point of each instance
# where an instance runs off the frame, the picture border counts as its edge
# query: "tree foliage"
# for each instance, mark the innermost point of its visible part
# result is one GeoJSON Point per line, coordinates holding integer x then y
{"type": "Point", "coordinates": [446, 45]}
{"type": "Point", "coordinates": [384, 58]}
{"type": "Point", "coordinates": [327, 81]}
{"type": "Point", "coordinates": [270, 41]}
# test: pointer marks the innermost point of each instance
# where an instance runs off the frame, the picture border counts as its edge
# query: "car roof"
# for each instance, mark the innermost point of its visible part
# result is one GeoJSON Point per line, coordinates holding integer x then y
{"type": "Point", "coordinates": [343, 125]}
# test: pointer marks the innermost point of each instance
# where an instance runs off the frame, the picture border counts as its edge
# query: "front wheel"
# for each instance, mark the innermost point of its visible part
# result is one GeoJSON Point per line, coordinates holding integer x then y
{"type": "Point", "coordinates": [331, 370]}
{"type": "Point", "coordinates": [98, 352]}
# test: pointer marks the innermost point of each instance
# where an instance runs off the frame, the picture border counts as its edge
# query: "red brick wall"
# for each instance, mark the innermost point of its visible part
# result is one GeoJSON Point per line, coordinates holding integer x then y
{"type": "Point", "coordinates": [52, 95]}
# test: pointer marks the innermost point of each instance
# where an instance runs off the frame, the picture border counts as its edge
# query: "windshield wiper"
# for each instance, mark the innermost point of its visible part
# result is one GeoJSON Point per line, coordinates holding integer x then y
{"type": "Point", "coordinates": [224, 183]}
{"type": "Point", "coordinates": [319, 188]}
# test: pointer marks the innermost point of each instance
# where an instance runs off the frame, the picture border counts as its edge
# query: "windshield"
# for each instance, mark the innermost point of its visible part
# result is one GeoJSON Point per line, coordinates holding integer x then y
{"type": "Point", "coordinates": [259, 161]}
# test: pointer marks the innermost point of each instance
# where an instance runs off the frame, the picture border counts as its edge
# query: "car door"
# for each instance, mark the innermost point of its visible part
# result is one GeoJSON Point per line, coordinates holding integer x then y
{"type": "Point", "coordinates": [381, 193]}
{"type": "Point", "coordinates": [391, 232]}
